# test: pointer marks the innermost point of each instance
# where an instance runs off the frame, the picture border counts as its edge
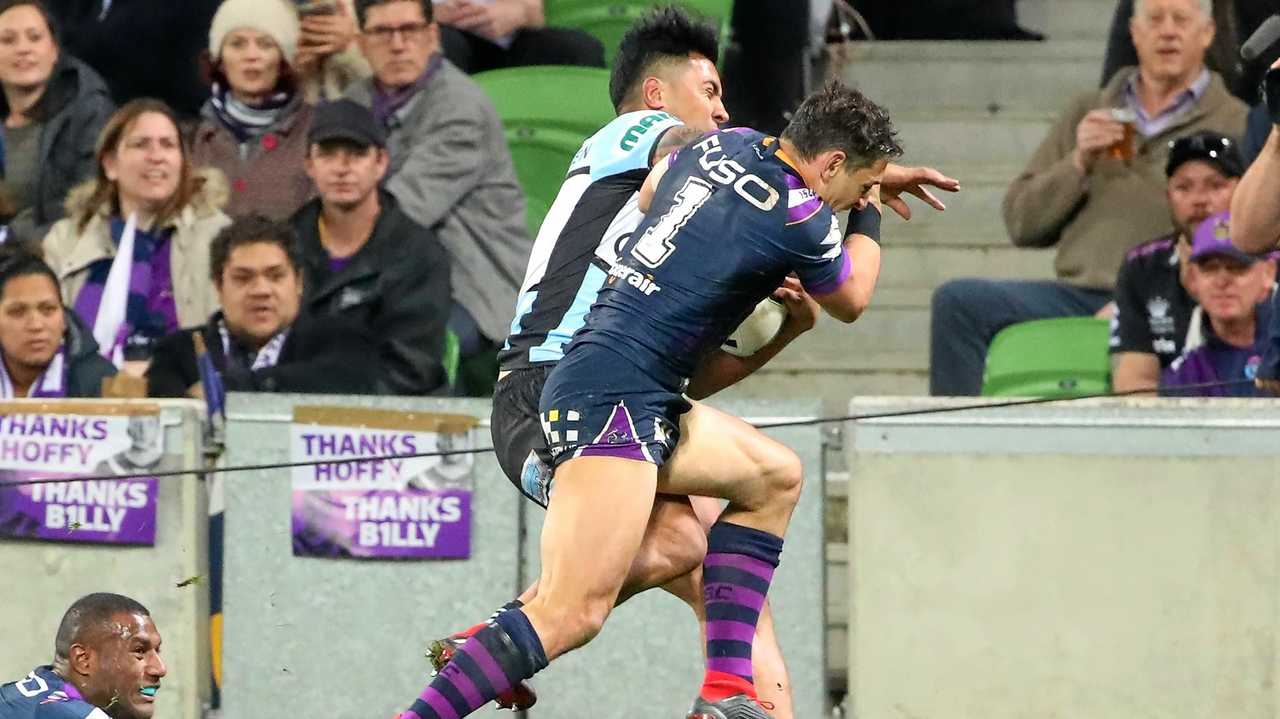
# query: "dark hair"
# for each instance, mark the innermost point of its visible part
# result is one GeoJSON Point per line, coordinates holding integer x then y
{"type": "Point", "coordinates": [252, 230]}
{"type": "Point", "coordinates": [55, 95]}
{"type": "Point", "coordinates": [663, 34]}
{"type": "Point", "coordinates": [362, 9]}
{"type": "Point", "coordinates": [17, 261]}
{"type": "Point", "coordinates": [104, 188]}
{"type": "Point", "coordinates": [89, 611]}
{"type": "Point", "coordinates": [838, 117]}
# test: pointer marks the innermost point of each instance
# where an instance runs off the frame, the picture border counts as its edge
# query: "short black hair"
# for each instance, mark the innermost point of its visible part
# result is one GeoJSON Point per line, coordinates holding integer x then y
{"type": "Point", "coordinates": [251, 230]}
{"type": "Point", "coordinates": [89, 611]}
{"type": "Point", "coordinates": [838, 117]}
{"type": "Point", "coordinates": [362, 9]}
{"type": "Point", "coordinates": [663, 34]}
{"type": "Point", "coordinates": [18, 261]}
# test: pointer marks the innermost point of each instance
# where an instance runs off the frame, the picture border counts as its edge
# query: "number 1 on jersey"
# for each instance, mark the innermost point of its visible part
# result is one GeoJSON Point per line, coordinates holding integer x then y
{"type": "Point", "coordinates": [655, 245]}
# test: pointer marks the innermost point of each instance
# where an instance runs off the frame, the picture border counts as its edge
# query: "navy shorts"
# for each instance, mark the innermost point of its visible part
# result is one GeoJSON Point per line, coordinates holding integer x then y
{"type": "Point", "coordinates": [596, 403]}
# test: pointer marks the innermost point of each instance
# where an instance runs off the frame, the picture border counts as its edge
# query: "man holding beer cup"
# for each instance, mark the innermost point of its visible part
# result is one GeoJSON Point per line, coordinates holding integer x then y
{"type": "Point", "coordinates": [1093, 189]}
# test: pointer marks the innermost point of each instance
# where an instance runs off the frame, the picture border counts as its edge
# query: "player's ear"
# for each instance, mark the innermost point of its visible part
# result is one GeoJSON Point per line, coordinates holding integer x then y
{"type": "Point", "coordinates": [80, 659]}
{"type": "Point", "coordinates": [652, 92]}
{"type": "Point", "coordinates": [834, 164]}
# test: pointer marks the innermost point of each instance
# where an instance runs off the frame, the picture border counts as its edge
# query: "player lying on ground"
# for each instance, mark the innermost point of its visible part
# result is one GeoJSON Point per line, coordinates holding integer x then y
{"type": "Point", "coordinates": [734, 214]}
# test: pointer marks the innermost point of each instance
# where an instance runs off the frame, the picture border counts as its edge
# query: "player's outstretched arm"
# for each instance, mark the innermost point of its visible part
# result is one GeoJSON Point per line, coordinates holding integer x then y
{"type": "Point", "coordinates": [721, 369]}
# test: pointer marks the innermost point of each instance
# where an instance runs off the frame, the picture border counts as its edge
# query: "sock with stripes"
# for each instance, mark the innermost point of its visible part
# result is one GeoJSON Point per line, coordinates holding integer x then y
{"type": "Point", "coordinates": [471, 631]}
{"type": "Point", "coordinates": [735, 576]}
{"type": "Point", "coordinates": [491, 662]}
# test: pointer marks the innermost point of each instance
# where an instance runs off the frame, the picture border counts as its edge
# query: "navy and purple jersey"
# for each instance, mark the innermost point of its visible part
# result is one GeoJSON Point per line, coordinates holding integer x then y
{"type": "Point", "coordinates": [730, 219]}
{"type": "Point", "coordinates": [43, 694]}
{"type": "Point", "coordinates": [594, 211]}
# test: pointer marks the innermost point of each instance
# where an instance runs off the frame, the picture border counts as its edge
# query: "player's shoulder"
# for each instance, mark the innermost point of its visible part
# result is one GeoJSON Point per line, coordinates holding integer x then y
{"type": "Point", "coordinates": [43, 695]}
{"type": "Point", "coordinates": [626, 143]}
{"type": "Point", "coordinates": [57, 705]}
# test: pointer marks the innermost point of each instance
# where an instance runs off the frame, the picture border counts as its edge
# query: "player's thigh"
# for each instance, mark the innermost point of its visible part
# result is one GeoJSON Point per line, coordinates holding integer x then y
{"type": "Point", "coordinates": [594, 528]}
{"type": "Point", "coordinates": [723, 456]}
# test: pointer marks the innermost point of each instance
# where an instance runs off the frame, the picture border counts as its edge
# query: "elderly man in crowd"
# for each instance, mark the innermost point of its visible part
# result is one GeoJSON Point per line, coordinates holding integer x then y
{"type": "Point", "coordinates": [450, 167]}
{"type": "Point", "coordinates": [1088, 194]}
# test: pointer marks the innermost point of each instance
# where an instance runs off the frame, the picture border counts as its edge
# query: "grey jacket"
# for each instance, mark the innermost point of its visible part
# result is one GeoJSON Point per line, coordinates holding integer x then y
{"type": "Point", "coordinates": [451, 172]}
{"type": "Point", "coordinates": [78, 106]}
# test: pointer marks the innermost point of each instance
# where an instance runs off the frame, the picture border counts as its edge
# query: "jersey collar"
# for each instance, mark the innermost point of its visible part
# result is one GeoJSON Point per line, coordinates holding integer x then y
{"type": "Point", "coordinates": [773, 147]}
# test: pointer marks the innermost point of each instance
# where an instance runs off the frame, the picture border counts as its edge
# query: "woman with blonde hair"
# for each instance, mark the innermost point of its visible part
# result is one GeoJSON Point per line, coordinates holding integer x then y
{"type": "Point", "coordinates": [133, 252]}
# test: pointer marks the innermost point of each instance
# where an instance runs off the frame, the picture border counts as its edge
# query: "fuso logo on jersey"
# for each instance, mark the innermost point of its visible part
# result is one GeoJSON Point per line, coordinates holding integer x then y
{"type": "Point", "coordinates": [637, 130]}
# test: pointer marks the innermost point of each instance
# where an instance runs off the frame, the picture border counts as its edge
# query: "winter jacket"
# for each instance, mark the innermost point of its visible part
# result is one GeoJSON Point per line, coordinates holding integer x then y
{"type": "Point", "coordinates": [78, 107]}
{"type": "Point", "coordinates": [71, 252]}
{"type": "Point", "coordinates": [86, 369]}
{"type": "Point", "coordinates": [396, 285]}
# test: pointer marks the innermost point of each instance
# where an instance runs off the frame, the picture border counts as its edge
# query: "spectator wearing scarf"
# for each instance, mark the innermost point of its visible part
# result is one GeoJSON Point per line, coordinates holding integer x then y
{"type": "Point", "coordinates": [44, 349]}
{"type": "Point", "coordinates": [254, 127]}
{"type": "Point", "coordinates": [133, 253]}
{"type": "Point", "coordinates": [256, 342]}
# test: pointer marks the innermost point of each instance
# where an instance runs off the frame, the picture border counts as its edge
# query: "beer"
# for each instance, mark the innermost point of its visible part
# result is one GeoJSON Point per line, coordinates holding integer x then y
{"type": "Point", "coordinates": [1127, 147]}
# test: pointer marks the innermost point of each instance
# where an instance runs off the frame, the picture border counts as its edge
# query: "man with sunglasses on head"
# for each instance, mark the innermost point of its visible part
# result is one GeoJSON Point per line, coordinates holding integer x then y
{"type": "Point", "coordinates": [1153, 304]}
{"type": "Point", "coordinates": [450, 169]}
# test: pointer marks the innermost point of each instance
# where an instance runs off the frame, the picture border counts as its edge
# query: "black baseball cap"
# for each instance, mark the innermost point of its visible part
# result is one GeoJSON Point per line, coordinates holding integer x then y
{"type": "Point", "coordinates": [1207, 146]}
{"type": "Point", "coordinates": [346, 120]}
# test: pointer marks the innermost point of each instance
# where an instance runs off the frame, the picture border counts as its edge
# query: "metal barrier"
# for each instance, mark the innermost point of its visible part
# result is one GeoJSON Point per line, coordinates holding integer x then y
{"type": "Point", "coordinates": [1100, 559]}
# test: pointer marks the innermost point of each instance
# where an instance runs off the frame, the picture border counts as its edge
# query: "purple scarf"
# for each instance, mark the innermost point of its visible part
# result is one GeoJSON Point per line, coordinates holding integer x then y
{"type": "Point", "coordinates": [51, 383]}
{"type": "Point", "coordinates": [386, 103]}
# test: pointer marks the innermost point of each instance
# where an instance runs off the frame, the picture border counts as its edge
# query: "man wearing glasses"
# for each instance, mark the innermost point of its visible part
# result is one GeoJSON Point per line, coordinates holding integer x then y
{"type": "Point", "coordinates": [450, 168]}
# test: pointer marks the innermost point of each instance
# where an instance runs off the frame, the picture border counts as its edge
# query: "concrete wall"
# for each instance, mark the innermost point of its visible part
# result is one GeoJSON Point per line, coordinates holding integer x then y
{"type": "Point", "coordinates": [39, 580]}
{"type": "Point", "coordinates": [319, 637]}
{"type": "Point", "coordinates": [1112, 559]}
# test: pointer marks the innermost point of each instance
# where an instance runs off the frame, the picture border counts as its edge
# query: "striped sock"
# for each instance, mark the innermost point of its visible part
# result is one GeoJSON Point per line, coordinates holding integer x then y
{"type": "Point", "coordinates": [491, 662]}
{"type": "Point", "coordinates": [735, 576]}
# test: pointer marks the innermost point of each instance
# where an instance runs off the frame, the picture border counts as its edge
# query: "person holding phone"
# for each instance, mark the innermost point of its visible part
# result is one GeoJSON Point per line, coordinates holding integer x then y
{"type": "Point", "coordinates": [328, 59]}
{"type": "Point", "coordinates": [479, 35]}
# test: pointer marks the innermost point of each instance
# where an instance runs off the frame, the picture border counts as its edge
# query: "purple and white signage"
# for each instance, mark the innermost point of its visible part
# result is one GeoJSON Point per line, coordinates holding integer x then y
{"type": "Point", "coordinates": [36, 448]}
{"type": "Point", "coordinates": [405, 507]}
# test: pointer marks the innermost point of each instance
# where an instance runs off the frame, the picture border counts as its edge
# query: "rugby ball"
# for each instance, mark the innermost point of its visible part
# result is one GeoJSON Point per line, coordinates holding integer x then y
{"type": "Point", "coordinates": [758, 329]}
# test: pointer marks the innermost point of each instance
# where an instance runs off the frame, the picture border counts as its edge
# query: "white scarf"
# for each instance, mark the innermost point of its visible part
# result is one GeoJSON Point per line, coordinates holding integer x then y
{"type": "Point", "coordinates": [266, 357]}
{"type": "Point", "coordinates": [115, 298]}
{"type": "Point", "coordinates": [50, 384]}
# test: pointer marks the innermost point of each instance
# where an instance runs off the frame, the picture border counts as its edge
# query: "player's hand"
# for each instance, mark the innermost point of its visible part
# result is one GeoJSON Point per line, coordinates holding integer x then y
{"type": "Point", "coordinates": [802, 310]}
{"type": "Point", "coordinates": [914, 181]}
{"type": "Point", "coordinates": [1095, 133]}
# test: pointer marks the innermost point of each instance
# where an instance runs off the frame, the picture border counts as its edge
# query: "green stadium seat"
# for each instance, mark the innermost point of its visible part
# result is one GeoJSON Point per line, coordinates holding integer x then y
{"type": "Point", "coordinates": [546, 111]}
{"type": "Point", "coordinates": [608, 20]}
{"type": "Point", "coordinates": [1065, 357]}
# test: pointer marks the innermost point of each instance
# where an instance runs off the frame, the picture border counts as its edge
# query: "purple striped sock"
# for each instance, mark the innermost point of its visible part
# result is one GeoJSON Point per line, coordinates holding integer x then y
{"type": "Point", "coordinates": [736, 577]}
{"type": "Point", "coordinates": [489, 663]}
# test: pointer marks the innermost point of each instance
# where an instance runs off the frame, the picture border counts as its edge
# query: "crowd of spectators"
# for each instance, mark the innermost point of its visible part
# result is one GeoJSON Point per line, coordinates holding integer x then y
{"type": "Point", "coordinates": [310, 194]}
{"type": "Point", "coordinates": [1127, 188]}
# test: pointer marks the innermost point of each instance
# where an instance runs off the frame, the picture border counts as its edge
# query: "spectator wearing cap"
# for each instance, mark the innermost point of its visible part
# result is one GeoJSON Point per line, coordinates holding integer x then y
{"type": "Point", "coordinates": [481, 35]}
{"type": "Point", "coordinates": [254, 127]}
{"type": "Point", "coordinates": [1231, 326]}
{"type": "Point", "coordinates": [1153, 304]}
{"type": "Point", "coordinates": [1089, 202]}
{"type": "Point", "coordinates": [450, 169]}
{"type": "Point", "coordinates": [365, 259]}
{"type": "Point", "coordinates": [255, 342]}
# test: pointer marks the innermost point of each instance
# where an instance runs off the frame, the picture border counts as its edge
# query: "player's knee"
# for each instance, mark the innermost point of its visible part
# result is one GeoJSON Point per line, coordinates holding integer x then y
{"type": "Point", "coordinates": [783, 475]}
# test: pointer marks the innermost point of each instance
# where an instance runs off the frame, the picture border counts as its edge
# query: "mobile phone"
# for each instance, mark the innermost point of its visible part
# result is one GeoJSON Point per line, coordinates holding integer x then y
{"type": "Point", "coordinates": [317, 7]}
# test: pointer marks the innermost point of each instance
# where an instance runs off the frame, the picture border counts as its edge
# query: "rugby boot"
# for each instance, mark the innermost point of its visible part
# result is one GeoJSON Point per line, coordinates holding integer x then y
{"type": "Point", "coordinates": [441, 651]}
{"type": "Point", "coordinates": [738, 706]}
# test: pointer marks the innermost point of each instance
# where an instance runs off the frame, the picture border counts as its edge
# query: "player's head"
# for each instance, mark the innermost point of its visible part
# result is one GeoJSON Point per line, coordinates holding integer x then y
{"type": "Point", "coordinates": [666, 61]}
{"type": "Point", "coordinates": [109, 649]}
{"type": "Point", "coordinates": [844, 141]}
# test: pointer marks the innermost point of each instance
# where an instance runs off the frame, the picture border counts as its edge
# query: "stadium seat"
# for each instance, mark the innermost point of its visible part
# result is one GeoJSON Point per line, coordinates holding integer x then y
{"type": "Point", "coordinates": [1064, 357]}
{"type": "Point", "coordinates": [546, 111]}
{"type": "Point", "coordinates": [608, 20]}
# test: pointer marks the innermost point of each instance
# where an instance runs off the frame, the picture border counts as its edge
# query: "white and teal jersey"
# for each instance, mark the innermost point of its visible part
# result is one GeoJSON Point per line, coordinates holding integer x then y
{"type": "Point", "coordinates": [593, 213]}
